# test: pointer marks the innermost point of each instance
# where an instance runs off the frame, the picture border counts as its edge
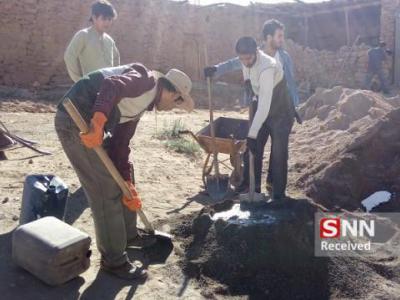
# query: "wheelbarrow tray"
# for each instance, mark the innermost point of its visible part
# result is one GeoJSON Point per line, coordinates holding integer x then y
{"type": "Point", "coordinates": [230, 138]}
{"type": "Point", "coordinates": [228, 133]}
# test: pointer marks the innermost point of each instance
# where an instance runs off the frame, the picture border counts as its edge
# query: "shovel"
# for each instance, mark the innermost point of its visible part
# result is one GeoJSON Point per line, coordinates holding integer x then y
{"type": "Point", "coordinates": [217, 185]}
{"type": "Point", "coordinates": [83, 127]}
{"type": "Point", "coordinates": [251, 197]}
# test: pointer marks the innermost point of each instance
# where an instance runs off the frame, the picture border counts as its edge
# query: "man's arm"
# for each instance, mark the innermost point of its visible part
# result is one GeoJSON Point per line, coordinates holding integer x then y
{"type": "Point", "coordinates": [368, 59]}
{"type": "Point", "coordinates": [227, 66]}
{"type": "Point", "coordinates": [119, 149]}
{"type": "Point", "coordinates": [220, 69]}
{"type": "Point", "coordinates": [71, 56]}
{"type": "Point", "coordinates": [131, 84]}
{"type": "Point", "coordinates": [292, 82]}
{"type": "Point", "coordinates": [116, 56]}
{"type": "Point", "coordinates": [264, 101]}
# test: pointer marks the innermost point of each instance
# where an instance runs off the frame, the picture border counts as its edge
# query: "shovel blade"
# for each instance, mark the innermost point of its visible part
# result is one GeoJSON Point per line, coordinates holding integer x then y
{"type": "Point", "coordinates": [217, 187]}
{"type": "Point", "coordinates": [159, 235]}
{"type": "Point", "coordinates": [163, 235]}
{"type": "Point", "coordinates": [256, 197]}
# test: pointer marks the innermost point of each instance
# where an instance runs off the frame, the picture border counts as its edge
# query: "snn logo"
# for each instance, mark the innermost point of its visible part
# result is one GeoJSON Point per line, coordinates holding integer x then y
{"type": "Point", "coordinates": [336, 227]}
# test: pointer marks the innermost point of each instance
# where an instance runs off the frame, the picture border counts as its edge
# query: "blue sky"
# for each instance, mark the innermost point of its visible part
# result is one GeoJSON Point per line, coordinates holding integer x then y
{"type": "Point", "coordinates": [246, 2]}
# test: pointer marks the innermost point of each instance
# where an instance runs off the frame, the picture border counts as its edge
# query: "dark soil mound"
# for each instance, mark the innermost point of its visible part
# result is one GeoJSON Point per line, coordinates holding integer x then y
{"type": "Point", "coordinates": [271, 256]}
{"type": "Point", "coordinates": [367, 163]}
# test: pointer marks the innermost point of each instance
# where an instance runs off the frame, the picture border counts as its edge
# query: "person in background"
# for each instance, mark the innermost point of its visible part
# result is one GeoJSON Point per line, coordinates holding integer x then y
{"type": "Point", "coordinates": [376, 57]}
{"type": "Point", "coordinates": [273, 37]}
{"type": "Point", "coordinates": [92, 48]}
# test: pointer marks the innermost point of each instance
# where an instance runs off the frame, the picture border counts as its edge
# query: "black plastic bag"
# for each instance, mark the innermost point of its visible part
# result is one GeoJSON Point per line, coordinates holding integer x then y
{"type": "Point", "coordinates": [44, 195]}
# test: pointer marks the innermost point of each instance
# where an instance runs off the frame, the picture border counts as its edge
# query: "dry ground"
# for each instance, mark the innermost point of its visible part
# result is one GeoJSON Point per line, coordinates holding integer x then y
{"type": "Point", "coordinates": [168, 182]}
{"type": "Point", "coordinates": [170, 185]}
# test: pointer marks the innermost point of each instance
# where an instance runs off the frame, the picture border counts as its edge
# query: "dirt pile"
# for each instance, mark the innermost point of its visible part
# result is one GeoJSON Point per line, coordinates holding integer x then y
{"type": "Point", "coordinates": [365, 156]}
{"type": "Point", "coordinates": [270, 256]}
{"type": "Point", "coordinates": [255, 255]}
{"type": "Point", "coordinates": [340, 108]}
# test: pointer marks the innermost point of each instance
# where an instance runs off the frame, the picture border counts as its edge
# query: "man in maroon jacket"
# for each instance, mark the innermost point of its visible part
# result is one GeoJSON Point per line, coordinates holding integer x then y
{"type": "Point", "coordinates": [113, 100]}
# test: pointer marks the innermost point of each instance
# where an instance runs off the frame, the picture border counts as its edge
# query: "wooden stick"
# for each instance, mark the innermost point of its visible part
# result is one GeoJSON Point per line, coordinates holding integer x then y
{"type": "Point", "coordinates": [83, 127]}
{"type": "Point", "coordinates": [252, 186]}
{"type": "Point", "coordinates": [212, 128]}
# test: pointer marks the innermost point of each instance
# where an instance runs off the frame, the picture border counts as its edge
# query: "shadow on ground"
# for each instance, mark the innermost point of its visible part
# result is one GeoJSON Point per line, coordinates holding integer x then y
{"type": "Point", "coordinates": [107, 287]}
{"type": "Point", "coordinates": [202, 198]}
{"type": "Point", "coordinates": [76, 204]}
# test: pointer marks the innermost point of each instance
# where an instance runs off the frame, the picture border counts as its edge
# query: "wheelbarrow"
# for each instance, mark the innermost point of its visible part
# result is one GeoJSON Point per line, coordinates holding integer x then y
{"type": "Point", "coordinates": [230, 136]}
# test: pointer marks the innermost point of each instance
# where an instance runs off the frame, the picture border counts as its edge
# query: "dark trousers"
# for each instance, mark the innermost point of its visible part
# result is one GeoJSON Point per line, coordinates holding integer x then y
{"type": "Point", "coordinates": [279, 130]}
{"type": "Point", "coordinates": [381, 76]}
{"type": "Point", "coordinates": [114, 223]}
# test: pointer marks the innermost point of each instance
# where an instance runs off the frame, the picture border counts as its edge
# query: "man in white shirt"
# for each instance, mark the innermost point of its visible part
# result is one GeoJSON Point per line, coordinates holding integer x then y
{"type": "Point", "coordinates": [274, 115]}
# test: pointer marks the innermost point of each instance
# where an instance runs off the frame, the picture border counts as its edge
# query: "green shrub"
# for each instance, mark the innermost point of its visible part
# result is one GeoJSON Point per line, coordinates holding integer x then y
{"type": "Point", "coordinates": [174, 141]}
{"type": "Point", "coordinates": [171, 130]}
{"type": "Point", "coordinates": [182, 145]}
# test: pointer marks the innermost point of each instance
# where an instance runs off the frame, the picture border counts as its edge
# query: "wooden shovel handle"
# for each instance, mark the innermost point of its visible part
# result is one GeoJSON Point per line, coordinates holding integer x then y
{"type": "Point", "coordinates": [83, 127]}
{"type": "Point", "coordinates": [212, 124]}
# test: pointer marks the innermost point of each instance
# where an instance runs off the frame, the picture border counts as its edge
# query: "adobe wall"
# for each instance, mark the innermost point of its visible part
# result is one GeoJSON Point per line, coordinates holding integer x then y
{"type": "Point", "coordinates": [161, 34]}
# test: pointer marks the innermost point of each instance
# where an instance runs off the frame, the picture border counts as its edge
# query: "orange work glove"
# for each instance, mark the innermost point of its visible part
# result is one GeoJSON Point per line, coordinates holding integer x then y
{"type": "Point", "coordinates": [135, 203]}
{"type": "Point", "coordinates": [94, 138]}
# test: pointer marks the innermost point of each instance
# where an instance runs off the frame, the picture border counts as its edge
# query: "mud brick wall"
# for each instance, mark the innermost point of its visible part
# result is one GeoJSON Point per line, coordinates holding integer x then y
{"type": "Point", "coordinates": [158, 33]}
{"type": "Point", "coordinates": [315, 68]}
{"type": "Point", "coordinates": [388, 28]}
{"type": "Point", "coordinates": [388, 11]}
{"type": "Point", "coordinates": [161, 34]}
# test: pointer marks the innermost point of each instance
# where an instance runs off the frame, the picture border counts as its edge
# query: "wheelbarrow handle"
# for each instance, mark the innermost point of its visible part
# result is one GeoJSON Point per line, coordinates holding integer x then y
{"type": "Point", "coordinates": [83, 127]}
{"type": "Point", "coordinates": [191, 133]}
{"type": "Point", "coordinates": [185, 132]}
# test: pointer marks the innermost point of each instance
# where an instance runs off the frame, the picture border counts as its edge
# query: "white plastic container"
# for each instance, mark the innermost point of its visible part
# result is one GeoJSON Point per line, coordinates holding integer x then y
{"type": "Point", "coordinates": [52, 250]}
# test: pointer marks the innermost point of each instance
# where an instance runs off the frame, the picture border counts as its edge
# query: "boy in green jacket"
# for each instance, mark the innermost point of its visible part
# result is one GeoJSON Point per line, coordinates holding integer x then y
{"type": "Point", "coordinates": [92, 48]}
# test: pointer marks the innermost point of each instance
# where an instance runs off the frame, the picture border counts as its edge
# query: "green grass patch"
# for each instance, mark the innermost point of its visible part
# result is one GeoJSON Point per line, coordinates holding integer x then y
{"type": "Point", "coordinates": [176, 142]}
{"type": "Point", "coordinates": [182, 145]}
{"type": "Point", "coordinates": [171, 130]}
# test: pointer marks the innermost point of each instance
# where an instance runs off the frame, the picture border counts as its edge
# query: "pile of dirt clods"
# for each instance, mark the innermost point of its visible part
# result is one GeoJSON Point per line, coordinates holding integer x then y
{"type": "Point", "coordinates": [267, 253]}
{"type": "Point", "coordinates": [342, 108]}
{"type": "Point", "coordinates": [360, 163]}
{"type": "Point", "coordinates": [258, 253]}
